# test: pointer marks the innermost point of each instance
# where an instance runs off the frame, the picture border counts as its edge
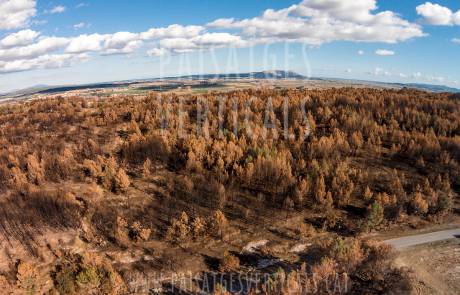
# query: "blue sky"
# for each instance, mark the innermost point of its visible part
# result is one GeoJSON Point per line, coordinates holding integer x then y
{"type": "Point", "coordinates": [71, 42]}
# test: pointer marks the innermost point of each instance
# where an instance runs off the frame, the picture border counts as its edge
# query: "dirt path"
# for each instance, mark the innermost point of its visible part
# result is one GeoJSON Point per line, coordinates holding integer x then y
{"type": "Point", "coordinates": [408, 241]}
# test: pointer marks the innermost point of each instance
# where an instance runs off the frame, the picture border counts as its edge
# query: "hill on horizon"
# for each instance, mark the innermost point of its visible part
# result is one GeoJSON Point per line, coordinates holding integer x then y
{"type": "Point", "coordinates": [261, 75]}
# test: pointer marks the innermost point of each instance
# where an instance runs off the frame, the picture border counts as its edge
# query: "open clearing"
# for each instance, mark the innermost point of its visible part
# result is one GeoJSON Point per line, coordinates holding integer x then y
{"type": "Point", "coordinates": [435, 265]}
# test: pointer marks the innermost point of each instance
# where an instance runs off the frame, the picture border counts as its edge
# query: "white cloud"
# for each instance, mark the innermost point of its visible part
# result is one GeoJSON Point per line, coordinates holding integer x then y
{"type": "Point", "coordinates": [355, 11]}
{"type": "Point", "coordinates": [56, 10]}
{"type": "Point", "coordinates": [222, 23]}
{"type": "Point", "coordinates": [172, 31]}
{"type": "Point", "coordinates": [178, 44]}
{"type": "Point", "coordinates": [320, 21]}
{"type": "Point", "coordinates": [81, 25]}
{"type": "Point", "coordinates": [432, 78]}
{"type": "Point", "coordinates": [379, 72]}
{"type": "Point", "coordinates": [312, 21]}
{"type": "Point", "coordinates": [435, 14]}
{"type": "Point", "coordinates": [118, 43]}
{"type": "Point", "coordinates": [437, 79]}
{"type": "Point", "coordinates": [417, 76]}
{"type": "Point", "coordinates": [85, 43]}
{"type": "Point", "coordinates": [120, 39]}
{"type": "Point", "coordinates": [218, 39]}
{"type": "Point", "coordinates": [81, 5]}
{"type": "Point", "coordinates": [456, 18]}
{"type": "Point", "coordinates": [21, 38]}
{"type": "Point", "coordinates": [360, 52]}
{"type": "Point", "coordinates": [384, 52]}
{"type": "Point", "coordinates": [16, 13]}
{"type": "Point", "coordinates": [45, 45]}
{"type": "Point", "coordinates": [201, 42]}
{"type": "Point", "coordinates": [39, 22]}
{"type": "Point", "coordinates": [456, 40]}
{"type": "Point", "coordinates": [157, 52]}
{"type": "Point", "coordinates": [121, 43]}
{"type": "Point", "coordinates": [22, 50]}
{"type": "Point", "coordinates": [127, 48]}
{"type": "Point", "coordinates": [41, 62]}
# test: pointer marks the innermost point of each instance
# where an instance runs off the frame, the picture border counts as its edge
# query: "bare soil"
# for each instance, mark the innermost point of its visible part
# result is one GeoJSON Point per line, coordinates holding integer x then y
{"type": "Point", "coordinates": [436, 267]}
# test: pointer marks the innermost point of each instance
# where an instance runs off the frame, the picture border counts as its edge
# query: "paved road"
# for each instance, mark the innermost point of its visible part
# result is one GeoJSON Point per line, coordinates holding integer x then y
{"type": "Point", "coordinates": [403, 242]}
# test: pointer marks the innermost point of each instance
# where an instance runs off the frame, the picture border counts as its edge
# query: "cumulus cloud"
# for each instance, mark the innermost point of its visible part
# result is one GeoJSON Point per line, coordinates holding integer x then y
{"type": "Point", "coordinates": [85, 43]}
{"type": "Point", "coordinates": [41, 62]}
{"type": "Point", "coordinates": [21, 38]}
{"type": "Point", "coordinates": [16, 13]}
{"type": "Point", "coordinates": [384, 52]}
{"type": "Point", "coordinates": [321, 21]}
{"type": "Point", "coordinates": [118, 43]}
{"type": "Point", "coordinates": [178, 44]}
{"type": "Point", "coordinates": [121, 43]}
{"type": "Point", "coordinates": [223, 22]}
{"type": "Point", "coordinates": [312, 21]}
{"type": "Point", "coordinates": [43, 46]}
{"type": "Point", "coordinates": [218, 39]}
{"type": "Point", "coordinates": [157, 52]}
{"type": "Point", "coordinates": [27, 49]}
{"type": "Point", "coordinates": [205, 41]}
{"type": "Point", "coordinates": [435, 14]}
{"type": "Point", "coordinates": [172, 31]}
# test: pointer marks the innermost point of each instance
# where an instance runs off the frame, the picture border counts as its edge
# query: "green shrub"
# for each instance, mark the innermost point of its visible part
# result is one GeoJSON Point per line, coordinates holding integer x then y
{"type": "Point", "coordinates": [89, 276]}
{"type": "Point", "coordinates": [65, 282]}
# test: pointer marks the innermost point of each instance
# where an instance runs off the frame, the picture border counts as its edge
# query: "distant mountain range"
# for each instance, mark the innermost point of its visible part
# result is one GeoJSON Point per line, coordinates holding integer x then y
{"type": "Point", "coordinates": [276, 74]}
{"type": "Point", "coordinates": [272, 75]}
{"type": "Point", "coordinates": [430, 87]}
